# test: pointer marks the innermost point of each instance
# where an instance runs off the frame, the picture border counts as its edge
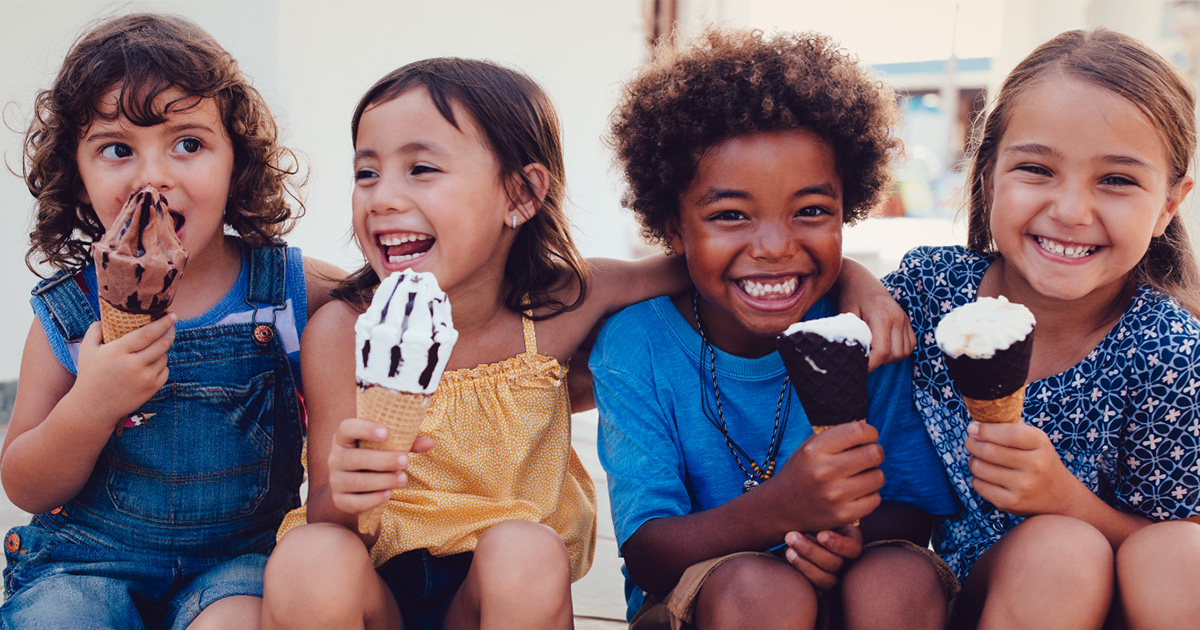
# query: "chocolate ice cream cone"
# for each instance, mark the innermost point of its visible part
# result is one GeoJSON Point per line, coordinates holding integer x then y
{"type": "Point", "coordinates": [830, 377]}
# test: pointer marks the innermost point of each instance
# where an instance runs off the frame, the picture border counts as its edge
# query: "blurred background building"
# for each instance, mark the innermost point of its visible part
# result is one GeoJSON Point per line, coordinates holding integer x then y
{"type": "Point", "coordinates": [312, 59]}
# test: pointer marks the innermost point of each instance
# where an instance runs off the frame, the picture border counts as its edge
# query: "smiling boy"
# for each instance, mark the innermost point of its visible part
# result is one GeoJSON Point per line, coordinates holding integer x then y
{"type": "Point", "coordinates": [746, 155]}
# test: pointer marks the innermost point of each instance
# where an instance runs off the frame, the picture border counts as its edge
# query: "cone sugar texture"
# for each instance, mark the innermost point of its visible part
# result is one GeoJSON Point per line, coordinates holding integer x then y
{"type": "Point", "coordinates": [401, 413]}
{"type": "Point", "coordinates": [1001, 410]}
{"type": "Point", "coordinates": [116, 322]}
{"type": "Point", "coordinates": [829, 376]}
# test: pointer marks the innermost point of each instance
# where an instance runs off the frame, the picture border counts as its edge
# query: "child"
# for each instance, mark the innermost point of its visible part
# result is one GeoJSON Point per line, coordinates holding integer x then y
{"type": "Point", "coordinates": [459, 171]}
{"type": "Point", "coordinates": [746, 155]}
{"type": "Point", "coordinates": [166, 524]}
{"type": "Point", "coordinates": [1074, 193]}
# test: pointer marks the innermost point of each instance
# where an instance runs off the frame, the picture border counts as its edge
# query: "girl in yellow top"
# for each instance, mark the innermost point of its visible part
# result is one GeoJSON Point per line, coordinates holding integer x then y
{"type": "Point", "coordinates": [459, 172]}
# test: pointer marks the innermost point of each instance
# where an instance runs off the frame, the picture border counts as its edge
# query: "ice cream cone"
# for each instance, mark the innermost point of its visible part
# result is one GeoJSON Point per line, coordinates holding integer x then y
{"type": "Point", "coordinates": [116, 322]}
{"type": "Point", "coordinates": [402, 414]}
{"type": "Point", "coordinates": [1001, 410]}
{"type": "Point", "coordinates": [818, 429]}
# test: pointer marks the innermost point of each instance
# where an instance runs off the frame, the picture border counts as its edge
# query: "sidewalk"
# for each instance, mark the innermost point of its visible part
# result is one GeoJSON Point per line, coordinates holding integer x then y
{"type": "Point", "coordinates": [599, 598]}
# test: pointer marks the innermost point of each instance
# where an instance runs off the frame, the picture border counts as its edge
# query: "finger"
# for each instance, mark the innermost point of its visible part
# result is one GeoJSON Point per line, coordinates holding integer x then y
{"type": "Point", "coordinates": [821, 580]}
{"type": "Point", "coordinates": [423, 444]}
{"type": "Point", "coordinates": [353, 430]}
{"type": "Point", "coordinates": [996, 454]}
{"type": "Point", "coordinates": [142, 338]}
{"type": "Point", "coordinates": [366, 459]}
{"type": "Point", "coordinates": [358, 482]}
{"type": "Point", "coordinates": [996, 494]}
{"type": "Point", "coordinates": [1011, 434]}
{"type": "Point", "coordinates": [355, 503]}
{"type": "Point", "coordinates": [845, 436]}
{"type": "Point", "coordinates": [813, 552]}
{"type": "Point", "coordinates": [93, 337]}
{"type": "Point", "coordinates": [841, 541]}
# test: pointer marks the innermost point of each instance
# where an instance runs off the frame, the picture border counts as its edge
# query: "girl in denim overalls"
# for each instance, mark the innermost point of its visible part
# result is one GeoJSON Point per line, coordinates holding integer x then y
{"type": "Point", "coordinates": [164, 522]}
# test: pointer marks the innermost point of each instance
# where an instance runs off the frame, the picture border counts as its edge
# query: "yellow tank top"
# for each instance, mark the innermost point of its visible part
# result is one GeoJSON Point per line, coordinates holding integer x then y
{"type": "Point", "coordinates": [503, 452]}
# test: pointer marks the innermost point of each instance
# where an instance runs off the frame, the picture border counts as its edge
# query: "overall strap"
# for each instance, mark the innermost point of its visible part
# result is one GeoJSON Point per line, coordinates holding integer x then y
{"type": "Point", "coordinates": [63, 295]}
{"type": "Point", "coordinates": [268, 274]}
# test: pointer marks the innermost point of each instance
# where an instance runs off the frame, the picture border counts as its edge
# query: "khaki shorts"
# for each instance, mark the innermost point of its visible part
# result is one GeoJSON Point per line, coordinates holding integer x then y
{"type": "Point", "coordinates": [676, 610]}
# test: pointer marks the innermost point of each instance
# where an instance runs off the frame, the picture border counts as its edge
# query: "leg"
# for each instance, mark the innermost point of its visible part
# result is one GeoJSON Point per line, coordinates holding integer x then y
{"type": "Point", "coordinates": [239, 611]}
{"type": "Point", "coordinates": [320, 576]}
{"type": "Point", "coordinates": [1158, 576]}
{"type": "Point", "coordinates": [893, 587]}
{"type": "Point", "coordinates": [755, 592]}
{"type": "Point", "coordinates": [520, 578]}
{"type": "Point", "coordinates": [1048, 572]}
{"type": "Point", "coordinates": [69, 601]}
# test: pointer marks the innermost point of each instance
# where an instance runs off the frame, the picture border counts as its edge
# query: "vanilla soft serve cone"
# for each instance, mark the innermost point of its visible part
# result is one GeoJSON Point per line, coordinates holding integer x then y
{"type": "Point", "coordinates": [826, 360]}
{"type": "Point", "coordinates": [403, 342]}
{"type": "Point", "coordinates": [987, 345]}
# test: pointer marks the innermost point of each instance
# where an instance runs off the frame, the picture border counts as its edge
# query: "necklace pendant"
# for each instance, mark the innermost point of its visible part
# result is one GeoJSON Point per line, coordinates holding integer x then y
{"type": "Point", "coordinates": [749, 485]}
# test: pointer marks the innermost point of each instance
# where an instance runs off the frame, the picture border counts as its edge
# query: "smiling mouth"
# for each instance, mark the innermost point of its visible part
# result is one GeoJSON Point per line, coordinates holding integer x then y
{"type": "Point", "coordinates": [777, 289]}
{"type": "Point", "coordinates": [401, 248]}
{"type": "Point", "coordinates": [1065, 250]}
{"type": "Point", "coordinates": [178, 220]}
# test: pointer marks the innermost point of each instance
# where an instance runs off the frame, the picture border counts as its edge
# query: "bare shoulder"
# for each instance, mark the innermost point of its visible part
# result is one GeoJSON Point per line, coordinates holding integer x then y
{"type": "Point", "coordinates": [332, 322]}
{"type": "Point", "coordinates": [320, 278]}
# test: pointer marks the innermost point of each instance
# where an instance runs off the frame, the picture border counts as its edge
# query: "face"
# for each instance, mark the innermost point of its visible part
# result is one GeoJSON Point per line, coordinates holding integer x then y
{"type": "Point", "coordinates": [761, 228]}
{"type": "Point", "coordinates": [1081, 185]}
{"type": "Point", "coordinates": [189, 158]}
{"type": "Point", "coordinates": [427, 196]}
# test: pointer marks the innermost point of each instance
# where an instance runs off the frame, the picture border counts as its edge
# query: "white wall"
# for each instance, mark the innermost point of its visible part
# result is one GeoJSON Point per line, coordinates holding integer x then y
{"type": "Point", "coordinates": [313, 59]}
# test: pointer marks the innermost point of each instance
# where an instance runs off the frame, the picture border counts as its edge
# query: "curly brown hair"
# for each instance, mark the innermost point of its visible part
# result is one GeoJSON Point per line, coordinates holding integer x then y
{"type": "Point", "coordinates": [146, 55]}
{"type": "Point", "coordinates": [521, 126]}
{"type": "Point", "coordinates": [728, 83]}
{"type": "Point", "coordinates": [1124, 66]}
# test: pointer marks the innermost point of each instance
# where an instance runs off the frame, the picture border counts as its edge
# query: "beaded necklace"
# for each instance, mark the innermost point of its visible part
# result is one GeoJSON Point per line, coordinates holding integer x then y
{"type": "Point", "coordinates": [760, 473]}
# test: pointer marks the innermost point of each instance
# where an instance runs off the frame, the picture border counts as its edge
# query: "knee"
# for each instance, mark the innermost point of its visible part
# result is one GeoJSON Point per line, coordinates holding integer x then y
{"type": "Point", "coordinates": [757, 588]}
{"type": "Point", "coordinates": [524, 555]}
{"type": "Point", "coordinates": [315, 562]}
{"type": "Point", "coordinates": [1062, 546]}
{"type": "Point", "coordinates": [888, 584]}
{"type": "Point", "coordinates": [1161, 549]}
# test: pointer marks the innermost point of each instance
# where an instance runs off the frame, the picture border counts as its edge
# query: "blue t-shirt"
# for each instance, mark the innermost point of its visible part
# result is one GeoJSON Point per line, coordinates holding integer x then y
{"type": "Point", "coordinates": [1125, 420]}
{"type": "Point", "coordinates": [664, 457]}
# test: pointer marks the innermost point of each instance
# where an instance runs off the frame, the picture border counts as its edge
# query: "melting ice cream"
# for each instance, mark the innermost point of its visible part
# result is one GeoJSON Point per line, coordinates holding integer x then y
{"type": "Point", "coordinates": [405, 338]}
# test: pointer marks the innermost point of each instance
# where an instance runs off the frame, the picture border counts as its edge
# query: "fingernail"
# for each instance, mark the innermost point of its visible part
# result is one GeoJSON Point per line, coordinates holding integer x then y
{"type": "Point", "coordinates": [790, 539]}
{"type": "Point", "coordinates": [973, 428]}
{"type": "Point", "coordinates": [380, 433]}
{"type": "Point", "coordinates": [823, 538]}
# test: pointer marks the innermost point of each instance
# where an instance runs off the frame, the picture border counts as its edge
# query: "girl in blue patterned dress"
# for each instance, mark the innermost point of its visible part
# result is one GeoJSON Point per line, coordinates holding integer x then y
{"type": "Point", "coordinates": [1074, 196]}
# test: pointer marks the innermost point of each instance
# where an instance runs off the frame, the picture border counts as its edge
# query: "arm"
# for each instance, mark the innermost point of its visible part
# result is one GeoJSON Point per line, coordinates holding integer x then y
{"type": "Point", "coordinates": [320, 278]}
{"type": "Point", "coordinates": [862, 294]}
{"type": "Point", "coordinates": [343, 479]}
{"type": "Point", "coordinates": [61, 422]}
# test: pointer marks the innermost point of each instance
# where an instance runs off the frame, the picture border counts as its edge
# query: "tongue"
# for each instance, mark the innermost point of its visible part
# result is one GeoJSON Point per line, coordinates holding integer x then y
{"type": "Point", "coordinates": [409, 248]}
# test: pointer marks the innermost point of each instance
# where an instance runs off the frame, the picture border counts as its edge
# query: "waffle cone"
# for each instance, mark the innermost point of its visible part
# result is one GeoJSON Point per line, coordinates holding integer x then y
{"type": "Point", "coordinates": [1001, 410]}
{"type": "Point", "coordinates": [116, 322]}
{"type": "Point", "coordinates": [821, 428]}
{"type": "Point", "coordinates": [401, 413]}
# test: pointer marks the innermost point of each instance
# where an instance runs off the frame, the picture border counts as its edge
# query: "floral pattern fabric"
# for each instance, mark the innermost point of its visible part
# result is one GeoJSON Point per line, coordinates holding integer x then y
{"type": "Point", "coordinates": [1125, 420]}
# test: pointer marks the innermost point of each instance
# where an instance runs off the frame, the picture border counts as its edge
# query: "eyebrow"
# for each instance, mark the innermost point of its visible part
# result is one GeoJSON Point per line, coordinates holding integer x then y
{"type": "Point", "coordinates": [411, 147]}
{"type": "Point", "coordinates": [1033, 148]}
{"type": "Point", "coordinates": [119, 134]}
{"type": "Point", "coordinates": [716, 195]}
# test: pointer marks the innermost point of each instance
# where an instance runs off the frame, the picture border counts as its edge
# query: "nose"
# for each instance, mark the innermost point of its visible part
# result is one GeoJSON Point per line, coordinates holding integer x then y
{"type": "Point", "coordinates": [155, 170]}
{"type": "Point", "coordinates": [773, 241]}
{"type": "Point", "coordinates": [1074, 204]}
{"type": "Point", "coordinates": [389, 196]}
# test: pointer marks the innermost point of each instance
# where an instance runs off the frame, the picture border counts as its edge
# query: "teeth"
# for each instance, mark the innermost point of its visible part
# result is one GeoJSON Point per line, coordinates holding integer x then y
{"type": "Point", "coordinates": [405, 258]}
{"type": "Point", "coordinates": [1069, 251]}
{"type": "Point", "coordinates": [779, 289]}
{"type": "Point", "coordinates": [387, 240]}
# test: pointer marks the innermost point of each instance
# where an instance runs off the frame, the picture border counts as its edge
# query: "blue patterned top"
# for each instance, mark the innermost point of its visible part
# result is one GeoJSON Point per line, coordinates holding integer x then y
{"type": "Point", "coordinates": [1125, 420]}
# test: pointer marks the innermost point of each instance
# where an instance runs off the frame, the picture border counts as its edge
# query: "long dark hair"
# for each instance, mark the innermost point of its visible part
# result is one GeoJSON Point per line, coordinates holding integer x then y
{"type": "Point", "coordinates": [521, 127]}
{"type": "Point", "coordinates": [1128, 68]}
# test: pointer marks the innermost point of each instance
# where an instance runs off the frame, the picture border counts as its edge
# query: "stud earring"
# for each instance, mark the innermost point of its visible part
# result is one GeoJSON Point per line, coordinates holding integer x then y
{"type": "Point", "coordinates": [514, 223]}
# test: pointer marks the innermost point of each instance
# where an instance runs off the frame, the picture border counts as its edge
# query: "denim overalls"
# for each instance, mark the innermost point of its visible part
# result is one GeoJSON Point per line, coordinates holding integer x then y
{"type": "Point", "coordinates": [157, 530]}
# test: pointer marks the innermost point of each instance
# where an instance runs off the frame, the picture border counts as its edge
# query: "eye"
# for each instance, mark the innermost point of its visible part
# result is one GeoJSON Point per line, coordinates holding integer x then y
{"type": "Point", "coordinates": [364, 173]}
{"type": "Point", "coordinates": [1034, 169]}
{"type": "Point", "coordinates": [812, 211]}
{"type": "Point", "coordinates": [1117, 180]}
{"type": "Point", "coordinates": [115, 151]}
{"type": "Point", "coordinates": [189, 145]}
{"type": "Point", "coordinates": [727, 215]}
{"type": "Point", "coordinates": [422, 169]}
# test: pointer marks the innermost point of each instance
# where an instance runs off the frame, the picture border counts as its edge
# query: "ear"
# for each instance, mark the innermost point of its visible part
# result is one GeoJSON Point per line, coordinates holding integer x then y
{"type": "Point", "coordinates": [527, 198]}
{"type": "Point", "coordinates": [674, 234]}
{"type": "Point", "coordinates": [1182, 189]}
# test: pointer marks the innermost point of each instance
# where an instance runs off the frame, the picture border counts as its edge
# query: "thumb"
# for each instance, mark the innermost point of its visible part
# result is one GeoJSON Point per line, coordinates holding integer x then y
{"type": "Point", "coordinates": [94, 336]}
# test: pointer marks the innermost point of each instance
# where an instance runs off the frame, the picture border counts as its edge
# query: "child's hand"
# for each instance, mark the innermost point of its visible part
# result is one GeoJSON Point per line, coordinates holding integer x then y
{"type": "Point", "coordinates": [362, 478]}
{"type": "Point", "coordinates": [116, 378]}
{"type": "Point", "coordinates": [1017, 469]}
{"type": "Point", "coordinates": [863, 295]}
{"type": "Point", "coordinates": [821, 557]}
{"type": "Point", "coordinates": [831, 480]}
